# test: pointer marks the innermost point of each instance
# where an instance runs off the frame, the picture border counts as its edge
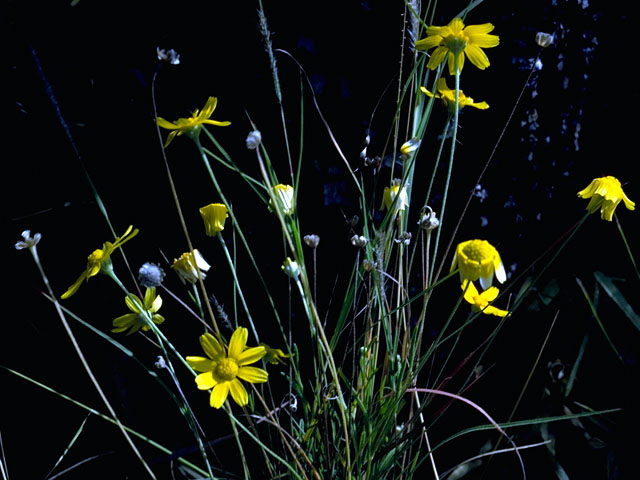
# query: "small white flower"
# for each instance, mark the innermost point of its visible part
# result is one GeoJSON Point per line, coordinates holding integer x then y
{"type": "Point", "coordinates": [28, 241]}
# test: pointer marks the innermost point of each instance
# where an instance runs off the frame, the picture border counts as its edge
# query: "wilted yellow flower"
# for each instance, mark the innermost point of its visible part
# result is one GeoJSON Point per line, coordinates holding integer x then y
{"type": "Point", "coordinates": [448, 97]}
{"type": "Point", "coordinates": [480, 301]}
{"type": "Point", "coordinates": [478, 260]}
{"type": "Point", "coordinates": [143, 311]}
{"type": "Point", "coordinates": [290, 267]}
{"type": "Point", "coordinates": [605, 193]}
{"type": "Point", "coordinates": [192, 125]}
{"type": "Point", "coordinates": [455, 41]}
{"type": "Point", "coordinates": [390, 194]}
{"type": "Point", "coordinates": [214, 216]}
{"type": "Point", "coordinates": [274, 354]}
{"type": "Point", "coordinates": [409, 146]}
{"type": "Point", "coordinates": [222, 371]}
{"type": "Point", "coordinates": [284, 196]}
{"type": "Point", "coordinates": [100, 259]}
{"type": "Point", "coordinates": [188, 264]}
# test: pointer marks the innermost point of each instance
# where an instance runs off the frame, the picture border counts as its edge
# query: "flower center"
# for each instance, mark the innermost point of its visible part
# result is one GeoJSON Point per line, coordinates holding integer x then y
{"type": "Point", "coordinates": [477, 252]}
{"type": "Point", "coordinates": [227, 369]}
{"type": "Point", "coordinates": [456, 42]}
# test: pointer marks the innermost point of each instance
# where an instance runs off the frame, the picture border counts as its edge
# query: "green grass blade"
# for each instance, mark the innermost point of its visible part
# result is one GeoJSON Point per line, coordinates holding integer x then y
{"type": "Point", "coordinates": [616, 295]}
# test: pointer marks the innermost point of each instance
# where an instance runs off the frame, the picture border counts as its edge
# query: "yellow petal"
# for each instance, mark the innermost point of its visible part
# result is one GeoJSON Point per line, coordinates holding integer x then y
{"type": "Point", "coordinates": [437, 57]}
{"type": "Point", "coordinates": [211, 346]}
{"type": "Point", "coordinates": [217, 123]}
{"type": "Point", "coordinates": [238, 342]}
{"type": "Point", "coordinates": [429, 42]}
{"type": "Point", "coordinates": [74, 288]}
{"type": "Point", "coordinates": [219, 394]}
{"type": "Point", "coordinates": [479, 29]}
{"type": "Point", "coordinates": [253, 374]}
{"type": "Point", "coordinates": [490, 294]}
{"type": "Point", "coordinates": [477, 56]}
{"type": "Point", "coordinates": [165, 124]}
{"type": "Point", "coordinates": [238, 392]}
{"type": "Point", "coordinates": [125, 320]}
{"type": "Point", "coordinates": [205, 381]}
{"type": "Point", "coordinates": [200, 364]}
{"type": "Point", "coordinates": [484, 41]}
{"type": "Point", "coordinates": [250, 355]}
{"type": "Point", "coordinates": [133, 302]}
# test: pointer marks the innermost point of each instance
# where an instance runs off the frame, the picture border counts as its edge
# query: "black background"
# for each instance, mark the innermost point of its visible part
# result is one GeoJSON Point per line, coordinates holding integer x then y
{"type": "Point", "coordinates": [97, 60]}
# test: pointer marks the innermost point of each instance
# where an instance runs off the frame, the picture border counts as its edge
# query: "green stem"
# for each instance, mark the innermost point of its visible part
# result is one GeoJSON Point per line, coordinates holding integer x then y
{"type": "Point", "coordinates": [626, 244]}
{"type": "Point", "coordinates": [453, 149]}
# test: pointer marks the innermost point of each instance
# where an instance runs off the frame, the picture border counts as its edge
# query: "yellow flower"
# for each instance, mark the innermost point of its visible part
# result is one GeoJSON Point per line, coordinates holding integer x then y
{"type": "Point", "coordinates": [100, 260]}
{"type": "Point", "coordinates": [274, 354]}
{"type": "Point", "coordinates": [143, 311]}
{"type": "Point", "coordinates": [390, 194]}
{"type": "Point", "coordinates": [478, 259]}
{"type": "Point", "coordinates": [192, 125]}
{"type": "Point", "coordinates": [284, 196]}
{"type": "Point", "coordinates": [448, 97]}
{"type": "Point", "coordinates": [480, 301]}
{"type": "Point", "coordinates": [455, 41]}
{"type": "Point", "coordinates": [605, 193]}
{"type": "Point", "coordinates": [214, 216]}
{"type": "Point", "coordinates": [222, 371]}
{"type": "Point", "coordinates": [188, 264]}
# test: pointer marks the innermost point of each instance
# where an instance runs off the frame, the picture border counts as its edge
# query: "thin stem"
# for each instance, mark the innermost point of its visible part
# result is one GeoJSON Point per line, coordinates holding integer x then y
{"type": "Point", "coordinates": [85, 364]}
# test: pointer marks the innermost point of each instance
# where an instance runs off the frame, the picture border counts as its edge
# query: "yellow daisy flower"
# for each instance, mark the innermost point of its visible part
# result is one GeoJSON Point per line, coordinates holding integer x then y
{"type": "Point", "coordinates": [455, 41]}
{"type": "Point", "coordinates": [214, 216]}
{"type": "Point", "coordinates": [188, 264]}
{"type": "Point", "coordinates": [100, 260]}
{"type": "Point", "coordinates": [605, 193]}
{"type": "Point", "coordinates": [480, 301]}
{"type": "Point", "coordinates": [192, 125]}
{"type": "Point", "coordinates": [390, 194]}
{"type": "Point", "coordinates": [448, 97]}
{"type": "Point", "coordinates": [478, 259]}
{"type": "Point", "coordinates": [143, 311]}
{"type": "Point", "coordinates": [284, 196]}
{"type": "Point", "coordinates": [222, 371]}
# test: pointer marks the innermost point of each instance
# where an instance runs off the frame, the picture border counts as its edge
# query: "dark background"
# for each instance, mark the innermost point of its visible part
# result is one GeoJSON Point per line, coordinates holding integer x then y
{"type": "Point", "coordinates": [97, 60]}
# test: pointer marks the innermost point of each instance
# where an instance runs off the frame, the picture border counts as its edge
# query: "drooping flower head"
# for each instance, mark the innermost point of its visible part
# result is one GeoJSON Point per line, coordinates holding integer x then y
{"type": "Point", "coordinates": [284, 197]}
{"type": "Point", "coordinates": [390, 194]}
{"type": "Point", "coordinates": [605, 193]}
{"type": "Point", "coordinates": [214, 216]}
{"type": "Point", "coordinates": [192, 125]}
{"type": "Point", "coordinates": [222, 371]}
{"type": "Point", "coordinates": [274, 354]}
{"type": "Point", "coordinates": [480, 301]}
{"type": "Point", "coordinates": [100, 259]}
{"type": "Point", "coordinates": [448, 97]}
{"type": "Point", "coordinates": [455, 41]}
{"type": "Point", "coordinates": [478, 260]}
{"type": "Point", "coordinates": [143, 311]}
{"type": "Point", "coordinates": [188, 265]}
{"type": "Point", "coordinates": [410, 146]}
